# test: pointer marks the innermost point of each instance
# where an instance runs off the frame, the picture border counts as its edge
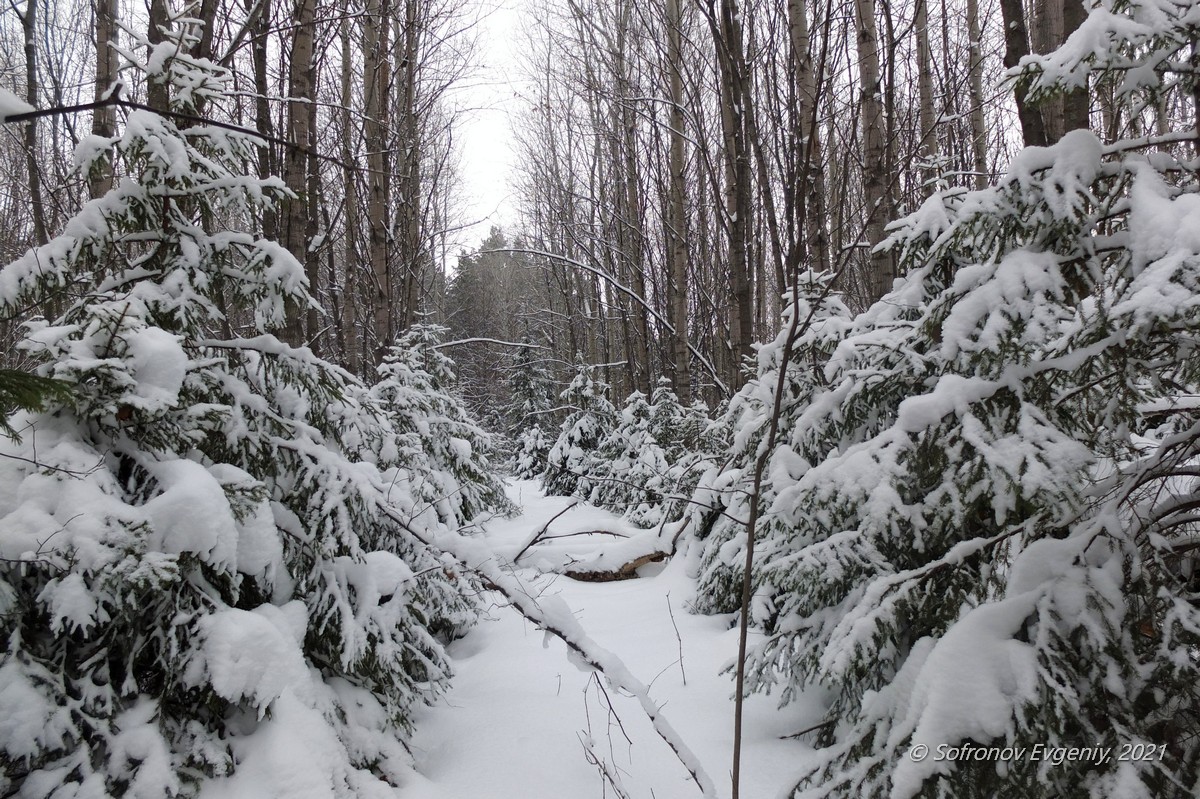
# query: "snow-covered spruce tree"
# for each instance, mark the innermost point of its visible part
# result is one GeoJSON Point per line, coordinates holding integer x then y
{"type": "Point", "coordinates": [530, 451]}
{"type": "Point", "coordinates": [651, 460]}
{"type": "Point", "coordinates": [696, 446]}
{"type": "Point", "coordinates": [572, 459]}
{"type": "Point", "coordinates": [630, 466]}
{"type": "Point", "coordinates": [720, 507]}
{"type": "Point", "coordinates": [676, 429]}
{"type": "Point", "coordinates": [443, 452]}
{"type": "Point", "coordinates": [197, 587]}
{"type": "Point", "coordinates": [531, 395]}
{"type": "Point", "coordinates": [983, 530]}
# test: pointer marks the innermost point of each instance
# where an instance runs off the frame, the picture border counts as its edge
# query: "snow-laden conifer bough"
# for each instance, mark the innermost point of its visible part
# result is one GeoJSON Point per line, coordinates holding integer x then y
{"type": "Point", "coordinates": [978, 525]}
{"type": "Point", "coordinates": [197, 580]}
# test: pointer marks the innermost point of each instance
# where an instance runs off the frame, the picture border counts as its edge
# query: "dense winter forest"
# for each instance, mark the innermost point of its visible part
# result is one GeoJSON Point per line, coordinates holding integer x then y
{"type": "Point", "coordinates": [869, 329]}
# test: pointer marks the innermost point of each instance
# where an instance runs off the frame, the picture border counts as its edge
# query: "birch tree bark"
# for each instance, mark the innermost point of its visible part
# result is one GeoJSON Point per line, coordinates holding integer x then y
{"type": "Point", "coordinates": [874, 169]}
{"type": "Point", "coordinates": [975, 84]}
{"type": "Point", "coordinates": [811, 185]}
{"type": "Point", "coordinates": [678, 281]}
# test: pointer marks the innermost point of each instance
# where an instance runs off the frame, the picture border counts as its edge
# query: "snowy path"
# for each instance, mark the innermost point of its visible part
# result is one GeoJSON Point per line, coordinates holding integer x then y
{"type": "Point", "coordinates": [512, 724]}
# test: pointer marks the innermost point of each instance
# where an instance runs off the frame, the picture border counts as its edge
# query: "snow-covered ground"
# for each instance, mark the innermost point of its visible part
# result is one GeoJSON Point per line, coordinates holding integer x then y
{"type": "Point", "coordinates": [519, 712]}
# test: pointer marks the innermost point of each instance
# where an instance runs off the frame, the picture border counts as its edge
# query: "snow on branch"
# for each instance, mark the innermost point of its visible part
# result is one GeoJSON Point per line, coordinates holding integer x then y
{"type": "Point", "coordinates": [12, 106]}
{"type": "Point", "coordinates": [462, 341]}
{"type": "Point", "coordinates": [13, 111]}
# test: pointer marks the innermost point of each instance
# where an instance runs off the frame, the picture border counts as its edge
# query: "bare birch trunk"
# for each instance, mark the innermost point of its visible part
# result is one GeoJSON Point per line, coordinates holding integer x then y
{"type": "Point", "coordinates": [875, 178]}
{"type": "Point", "coordinates": [975, 84]}
{"type": "Point", "coordinates": [677, 282]}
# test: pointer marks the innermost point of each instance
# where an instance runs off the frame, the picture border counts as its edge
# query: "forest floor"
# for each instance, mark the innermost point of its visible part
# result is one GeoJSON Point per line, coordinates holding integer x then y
{"type": "Point", "coordinates": [521, 721]}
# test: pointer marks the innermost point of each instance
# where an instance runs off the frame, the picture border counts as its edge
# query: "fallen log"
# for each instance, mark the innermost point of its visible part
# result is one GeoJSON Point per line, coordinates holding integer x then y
{"type": "Point", "coordinates": [626, 571]}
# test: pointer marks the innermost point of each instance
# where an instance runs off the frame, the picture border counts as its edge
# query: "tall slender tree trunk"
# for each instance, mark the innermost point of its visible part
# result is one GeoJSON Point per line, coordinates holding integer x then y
{"type": "Point", "coordinates": [634, 236]}
{"type": "Point", "coordinates": [414, 248]}
{"type": "Point", "coordinates": [348, 319]}
{"type": "Point", "coordinates": [928, 120]}
{"type": "Point", "coordinates": [677, 282]}
{"type": "Point", "coordinates": [769, 213]}
{"type": "Point", "coordinates": [259, 31]}
{"type": "Point", "coordinates": [312, 257]}
{"type": "Point", "coordinates": [104, 118]}
{"type": "Point", "coordinates": [811, 185]}
{"type": "Point", "coordinates": [875, 177]}
{"type": "Point", "coordinates": [727, 33]}
{"type": "Point", "coordinates": [376, 90]}
{"type": "Point", "coordinates": [295, 158]}
{"type": "Point", "coordinates": [29, 29]}
{"type": "Point", "coordinates": [975, 85]}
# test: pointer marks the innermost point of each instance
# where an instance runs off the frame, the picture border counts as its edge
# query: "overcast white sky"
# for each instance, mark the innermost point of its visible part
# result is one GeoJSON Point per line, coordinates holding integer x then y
{"type": "Point", "coordinates": [485, 134]}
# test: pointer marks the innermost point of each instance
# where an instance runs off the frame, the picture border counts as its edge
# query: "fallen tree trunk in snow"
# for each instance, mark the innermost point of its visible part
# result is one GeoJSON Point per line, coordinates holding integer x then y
{"type": "Point", "coordinates": [554, 616]}
{"type": "Point", "coordinates": [622, 560]}
{"type": "Point", "coordinates": [627, 571]}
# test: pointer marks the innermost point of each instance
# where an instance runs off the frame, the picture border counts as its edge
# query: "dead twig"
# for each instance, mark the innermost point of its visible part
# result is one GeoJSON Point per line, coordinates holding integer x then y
{"type": "Point", "coordinates": [611, 779]}
{"type": "Point", "coordinates": [807, 730]}
{"type": "Point", "coordinates": [538, 535]}
{"type": "Point", "coordinates": [678, 638]}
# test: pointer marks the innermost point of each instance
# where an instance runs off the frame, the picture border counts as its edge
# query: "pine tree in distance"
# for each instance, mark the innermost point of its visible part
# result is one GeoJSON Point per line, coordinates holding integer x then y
{"type": "Point", "coordinates": [591, 419]}
{"type": "Point", "coordinates": [650, 459]}
{"type": "Point", "coordinates": [531, 400]}
{"type": "Point", "coordinates": [629, 467]}
{"type": "Point", "coordinates": [445, 454]}
{"type": "Point", "coordinates": [197, 585]}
